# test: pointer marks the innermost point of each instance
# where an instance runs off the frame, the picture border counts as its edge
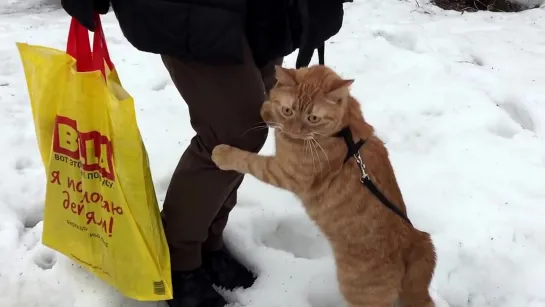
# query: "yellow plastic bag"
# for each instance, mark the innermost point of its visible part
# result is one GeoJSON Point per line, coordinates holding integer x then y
{"type": "Point", "coordinates": [100, 209]}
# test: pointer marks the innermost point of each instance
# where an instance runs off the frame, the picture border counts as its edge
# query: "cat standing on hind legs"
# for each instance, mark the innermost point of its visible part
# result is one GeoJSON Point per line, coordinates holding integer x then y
{"type": "Point", "coordinates": [329, 156]}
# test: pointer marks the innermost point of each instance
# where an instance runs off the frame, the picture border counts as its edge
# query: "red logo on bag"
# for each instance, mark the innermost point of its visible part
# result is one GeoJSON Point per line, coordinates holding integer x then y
{"type": "Point", "coordinates": [92, 149]}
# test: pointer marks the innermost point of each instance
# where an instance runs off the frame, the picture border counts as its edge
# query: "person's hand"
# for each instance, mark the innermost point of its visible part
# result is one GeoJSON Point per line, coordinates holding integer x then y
{"type": "Point", "coordinates": [84, 10]}
{"type": "Point", "coordinates": [101, 6]}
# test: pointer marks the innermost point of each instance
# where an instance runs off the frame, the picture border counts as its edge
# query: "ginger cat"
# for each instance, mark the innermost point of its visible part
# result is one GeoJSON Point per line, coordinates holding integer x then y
{"type": "Point", "coordinates": [380, 258]}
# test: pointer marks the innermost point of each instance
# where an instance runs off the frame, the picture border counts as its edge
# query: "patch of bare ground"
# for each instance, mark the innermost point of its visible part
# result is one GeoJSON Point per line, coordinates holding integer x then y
{"type": "Point", "coordinates": [480, 5]}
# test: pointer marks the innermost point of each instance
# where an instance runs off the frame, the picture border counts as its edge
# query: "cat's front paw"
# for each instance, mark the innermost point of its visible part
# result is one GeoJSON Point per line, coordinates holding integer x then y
{"type": "Point", "coordinates": [223, 156]}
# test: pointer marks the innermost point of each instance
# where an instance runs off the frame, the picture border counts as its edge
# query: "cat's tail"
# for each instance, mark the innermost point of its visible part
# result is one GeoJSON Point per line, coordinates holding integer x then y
{"type": "Point", "coordinates": [420, 265]}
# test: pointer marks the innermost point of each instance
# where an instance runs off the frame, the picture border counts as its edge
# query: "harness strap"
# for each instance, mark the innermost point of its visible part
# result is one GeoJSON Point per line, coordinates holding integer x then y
{"type": "Point", "coordinates": [354, 151]}
{"type": "Point", "coordinates": [353, 148]}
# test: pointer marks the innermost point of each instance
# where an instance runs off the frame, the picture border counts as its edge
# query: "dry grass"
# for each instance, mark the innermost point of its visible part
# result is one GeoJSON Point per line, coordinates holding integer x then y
{"type": "Point", "coordinates": [479, 5]}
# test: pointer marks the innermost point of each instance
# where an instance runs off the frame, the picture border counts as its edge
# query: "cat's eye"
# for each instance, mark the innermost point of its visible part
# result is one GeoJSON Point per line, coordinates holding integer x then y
{"type": "Point", "coordinates": [313, 119]}
{"type": "Point", "coordinates": [287, 111]}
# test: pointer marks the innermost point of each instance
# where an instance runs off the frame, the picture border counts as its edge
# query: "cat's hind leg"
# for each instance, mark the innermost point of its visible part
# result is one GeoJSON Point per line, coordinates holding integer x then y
{"type": "Point", "coordinates": [375, 288]}
{"type": "Point", "coordinates": [421, 261]}
{"type": "Point", "coordinates": [373, 299]}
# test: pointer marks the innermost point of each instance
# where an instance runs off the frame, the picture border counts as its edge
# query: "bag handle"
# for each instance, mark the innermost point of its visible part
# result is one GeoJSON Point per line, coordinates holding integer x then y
{"type": "Point", "coordinates": [79, 47]}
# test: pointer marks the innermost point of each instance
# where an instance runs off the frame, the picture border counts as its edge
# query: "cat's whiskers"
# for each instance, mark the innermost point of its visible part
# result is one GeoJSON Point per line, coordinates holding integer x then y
{"type": "Point", "coordinates": [325, 154]}
{"type": "Point", "coordinates": [320, 134]}
{"type": "Point", "coordinates": [308, 144]}
{"type": "Point", "coordinates": [265, 126]}
{"type": "Point", "coordinates": [309, 147]}
{"type": "Point", "coordinates": [317, 156]}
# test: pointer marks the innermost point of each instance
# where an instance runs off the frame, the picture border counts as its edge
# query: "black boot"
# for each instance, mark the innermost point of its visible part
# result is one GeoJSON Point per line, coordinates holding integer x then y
{"type": "Point", "coordinates": [225, 271]}
{"type": "Point", "coordinates": [194, 289]}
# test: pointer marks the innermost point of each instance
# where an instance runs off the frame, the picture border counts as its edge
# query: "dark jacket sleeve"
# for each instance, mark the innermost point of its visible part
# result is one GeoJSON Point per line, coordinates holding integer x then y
{"type": "Point", "coordinates": [83, 10]}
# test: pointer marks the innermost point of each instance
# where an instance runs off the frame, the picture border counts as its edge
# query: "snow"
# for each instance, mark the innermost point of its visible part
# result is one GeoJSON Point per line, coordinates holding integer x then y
{"type": "Point", "coordinates": [458, 99]}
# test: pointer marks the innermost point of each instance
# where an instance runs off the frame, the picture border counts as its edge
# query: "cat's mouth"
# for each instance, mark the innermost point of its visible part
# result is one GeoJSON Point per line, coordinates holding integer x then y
{"type": "Point", "coordinates": [296, 136]}
{"type": "Point", "coordinates": [292, 135]}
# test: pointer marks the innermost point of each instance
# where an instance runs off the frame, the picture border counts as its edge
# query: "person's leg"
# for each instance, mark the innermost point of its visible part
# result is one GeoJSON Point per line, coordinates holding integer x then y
{"type": "Point", "coordinates": [223, 269]}
{"type": "Point", "coordinates": [224, 102]}
{"type": "Point", "coordinates": [215, 240]}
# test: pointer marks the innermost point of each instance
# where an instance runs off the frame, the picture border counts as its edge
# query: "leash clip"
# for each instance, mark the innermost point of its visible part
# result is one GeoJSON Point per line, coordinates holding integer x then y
{"type": "Point", "coordinates": [360, 163]}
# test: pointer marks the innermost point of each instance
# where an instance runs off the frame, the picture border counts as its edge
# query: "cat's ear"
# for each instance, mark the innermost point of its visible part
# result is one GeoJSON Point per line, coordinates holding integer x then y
{"type": "Point", "coordinates": [285, 76]}
{"type": "Point", "coordinates": [339, 90]}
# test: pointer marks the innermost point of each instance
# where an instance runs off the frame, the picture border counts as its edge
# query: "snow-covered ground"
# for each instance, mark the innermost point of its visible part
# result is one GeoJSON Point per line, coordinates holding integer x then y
{"type": "Point", "coordinates": [459, 100]}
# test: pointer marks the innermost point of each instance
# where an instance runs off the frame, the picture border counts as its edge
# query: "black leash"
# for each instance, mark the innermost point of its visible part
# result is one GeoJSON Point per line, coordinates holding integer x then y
{"type": "Point", "coordinates": [354, 151]}
{"type": "Point", "coordinates": [305, 54]}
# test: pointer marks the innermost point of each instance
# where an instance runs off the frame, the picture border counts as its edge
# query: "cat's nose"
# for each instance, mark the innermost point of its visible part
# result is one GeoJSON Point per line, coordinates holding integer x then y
{"type": "Point", "coordinates": [296, 127]}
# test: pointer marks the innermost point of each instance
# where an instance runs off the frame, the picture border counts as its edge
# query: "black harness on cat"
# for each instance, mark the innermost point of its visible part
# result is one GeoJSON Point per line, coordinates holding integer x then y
{"type": "Point", "coordinates": [354, 151]}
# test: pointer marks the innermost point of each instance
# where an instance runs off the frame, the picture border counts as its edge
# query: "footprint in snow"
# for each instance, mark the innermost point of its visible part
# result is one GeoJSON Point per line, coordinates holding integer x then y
{"type": "Point", "coordinates": [519, 113]}
{"type": "Point", "coordinates": [297, 235]}
{"type": "Point", "coordinates": [504, 128]}
{"type": "Point", "coordinates": [23, 163]}
{"type": "Point", "coordinates": [400, 40]}
{"type": "Point", "coordinates": [160, 85]}
{"type": "Point", "coordinates": [45, 258]}
{"type": "Point", "coordinates": [33, 215]}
